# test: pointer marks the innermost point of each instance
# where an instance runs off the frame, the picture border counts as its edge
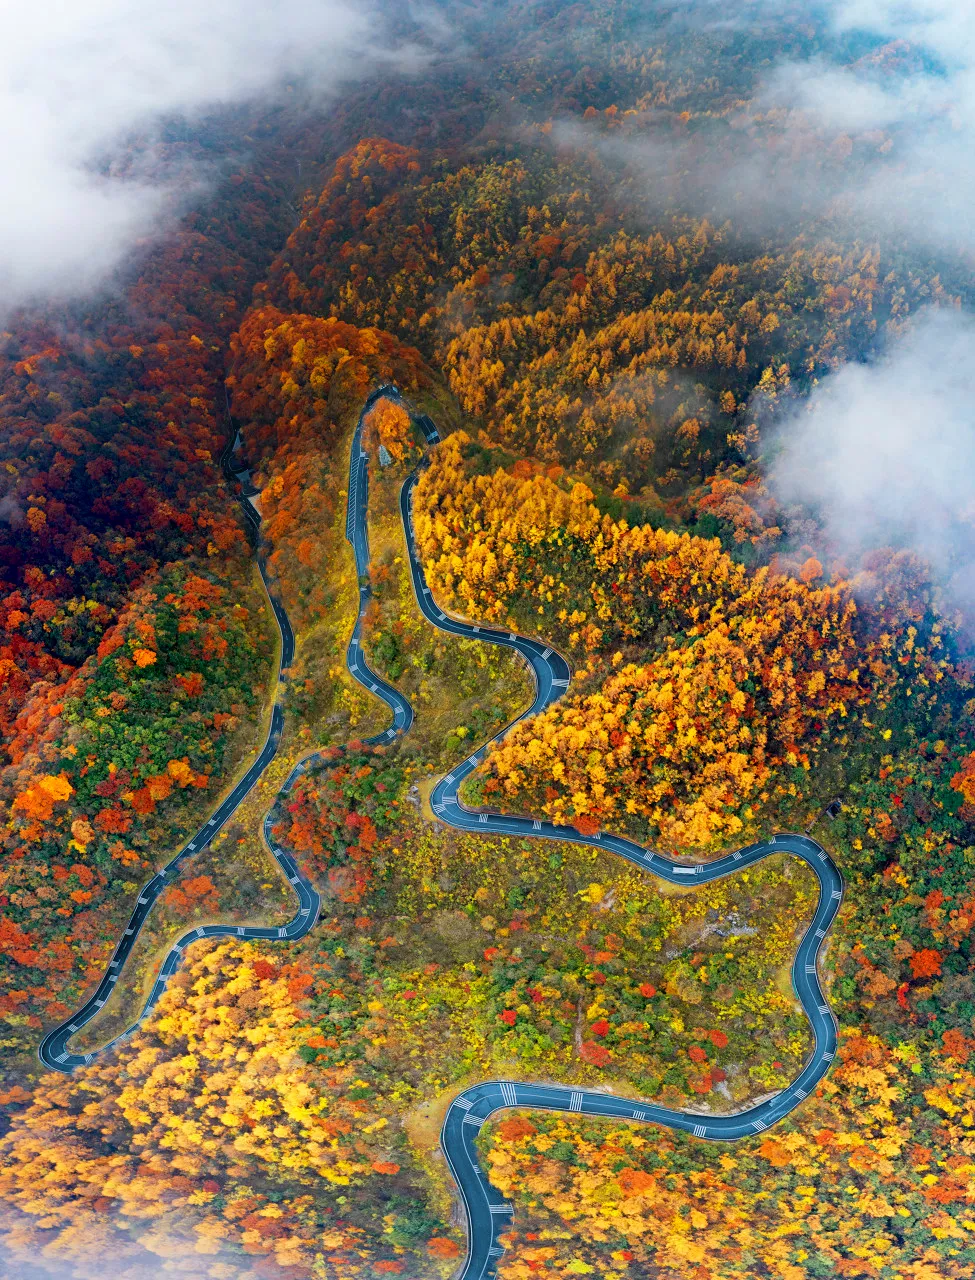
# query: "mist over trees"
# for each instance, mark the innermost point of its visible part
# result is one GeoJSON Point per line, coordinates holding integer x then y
{"type": "Point", "coordinates": [687, 292]}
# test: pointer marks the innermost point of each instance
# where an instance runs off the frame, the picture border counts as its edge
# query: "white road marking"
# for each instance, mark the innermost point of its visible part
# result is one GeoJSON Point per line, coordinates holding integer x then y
{"type": "Point", "coordinates": [358, 496]}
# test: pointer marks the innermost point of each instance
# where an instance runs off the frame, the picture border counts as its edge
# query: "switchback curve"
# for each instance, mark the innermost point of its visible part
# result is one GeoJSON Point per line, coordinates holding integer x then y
{"type": "Point", "coordinates": [487, 1212]}
{"type": "Point", "coordinates": [53, 1050]}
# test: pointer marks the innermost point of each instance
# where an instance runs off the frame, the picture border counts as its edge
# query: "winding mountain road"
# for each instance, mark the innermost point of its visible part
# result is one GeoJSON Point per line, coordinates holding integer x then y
{"type": "Point", "coordinates": [53, 1050]}
{"type": "Point", "coordinates": [488, 1214]}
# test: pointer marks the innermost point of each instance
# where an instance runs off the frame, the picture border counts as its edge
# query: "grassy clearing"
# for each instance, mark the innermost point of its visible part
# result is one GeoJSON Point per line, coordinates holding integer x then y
{"type": "Point", "coordinates": [325, 705]}
{"type": "Point", "coordinates": [542, 961]}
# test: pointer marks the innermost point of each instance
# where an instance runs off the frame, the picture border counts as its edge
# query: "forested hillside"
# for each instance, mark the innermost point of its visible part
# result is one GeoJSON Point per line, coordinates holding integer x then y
{"type": "Point", "coordinates": [533, 237]}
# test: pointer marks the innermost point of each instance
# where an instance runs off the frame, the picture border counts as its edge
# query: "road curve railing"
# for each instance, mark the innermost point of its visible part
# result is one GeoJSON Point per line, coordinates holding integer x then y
{"type": "Point", "coordinates": [488, 1214]}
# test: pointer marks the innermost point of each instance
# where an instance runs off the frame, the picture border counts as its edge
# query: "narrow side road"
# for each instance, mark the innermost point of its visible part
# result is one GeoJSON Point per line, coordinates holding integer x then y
{"type": "Point", "coordinates": [53, 1050]}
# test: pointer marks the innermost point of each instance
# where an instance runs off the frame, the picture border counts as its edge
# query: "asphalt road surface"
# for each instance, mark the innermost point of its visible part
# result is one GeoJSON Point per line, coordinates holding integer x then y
{"type": "Point", "coordinates": [53, 1050]}
{"type": "Point", "coordinates": [488, 1214]}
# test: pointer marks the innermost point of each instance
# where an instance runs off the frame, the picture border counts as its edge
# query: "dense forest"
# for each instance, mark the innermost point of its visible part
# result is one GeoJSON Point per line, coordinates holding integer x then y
{"type": "Point", "coordinates": [612, 357]}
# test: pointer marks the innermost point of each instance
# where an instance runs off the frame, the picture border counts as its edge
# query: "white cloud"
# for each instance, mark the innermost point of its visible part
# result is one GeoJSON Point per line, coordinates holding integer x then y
{"type": "Point", "coordinates": [843, 100]}
{"type": "Point", "coordinates": [944, 26]}
{"type": "Point", "coordinates": [769, 166]}
{"type": "Point", "coordinates": [78, 76]}
{"type": "Point", "coordinates": [922, 189]}
{"type": "Point", "coordinates": [884, 453]}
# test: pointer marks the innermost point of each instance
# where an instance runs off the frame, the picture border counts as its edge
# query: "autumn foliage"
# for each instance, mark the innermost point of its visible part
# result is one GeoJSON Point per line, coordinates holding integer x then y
{"type": "Point", "coordinates": [618, 366]}
{"type": "Point", "coordinates": [388, 427]}
{"type": "Point", "coordinates": [859, 1182]}
{"type": "Point", "coordinates": [99, 762]}
{"type": "Point", "coordinates": [333, 819]}
{"type": "Point", "coordinates": [684, 742]}
{"type": "Point", "coordinates": [573, 335]}
{"type": "Point", "coordinates": [222, 1140]}
{"type": "Point", "coordinates": [297, 381]}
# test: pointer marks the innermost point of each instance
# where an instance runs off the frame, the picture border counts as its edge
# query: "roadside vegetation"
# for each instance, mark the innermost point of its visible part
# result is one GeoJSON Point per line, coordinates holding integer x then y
{"type": "Point", "coordinates": [605, 380]}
